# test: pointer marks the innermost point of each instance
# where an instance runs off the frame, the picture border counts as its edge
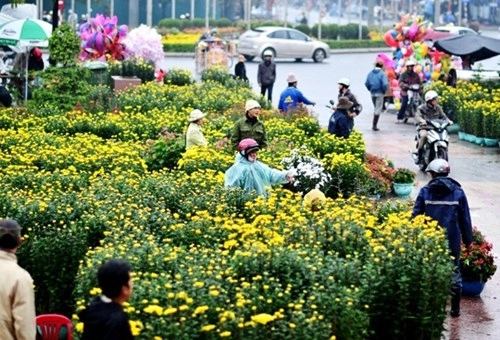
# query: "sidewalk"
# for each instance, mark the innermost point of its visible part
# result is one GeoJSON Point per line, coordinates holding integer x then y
{"type": "Point", "coordinates": [476, 168]}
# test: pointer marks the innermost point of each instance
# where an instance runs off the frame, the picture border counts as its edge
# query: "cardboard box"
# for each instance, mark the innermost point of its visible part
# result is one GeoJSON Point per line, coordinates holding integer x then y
{"type": "Point", "coordinates": [120, 83]}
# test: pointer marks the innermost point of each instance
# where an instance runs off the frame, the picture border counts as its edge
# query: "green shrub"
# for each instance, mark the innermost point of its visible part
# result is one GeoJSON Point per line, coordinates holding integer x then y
{"type": "Point", "coordinates": [64, 45]}
{"type": "Point", "coordinates": [166, 151]}
{"type": "Point", "coordinates": [179, 77]}
{"type": "Point", "coordinates": [63, 87]}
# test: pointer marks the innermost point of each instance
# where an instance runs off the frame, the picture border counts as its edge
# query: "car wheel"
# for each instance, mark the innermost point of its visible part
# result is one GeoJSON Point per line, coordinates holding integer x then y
{"type": "Point", "coordinates": [319, 55]}
{"type": "Point", "coordinates": [248, 57]}
{"type": "Point", "coordinates": [268, 50]}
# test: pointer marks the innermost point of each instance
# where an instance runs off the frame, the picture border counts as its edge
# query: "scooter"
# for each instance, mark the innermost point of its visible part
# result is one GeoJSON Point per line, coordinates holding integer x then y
{"type": "Point", "coordinates": [436, 145]}
{"type": "Point", "coordinates": [414, 101]}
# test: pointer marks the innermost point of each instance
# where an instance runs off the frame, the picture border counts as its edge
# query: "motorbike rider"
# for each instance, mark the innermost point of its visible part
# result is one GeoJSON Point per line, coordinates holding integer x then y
{"type": "Point", "coordinates": [344, 91]}
{"type": "Point", "coordinates": [430, 110]}
{"type": "Point", "coordinates": [406, 79]}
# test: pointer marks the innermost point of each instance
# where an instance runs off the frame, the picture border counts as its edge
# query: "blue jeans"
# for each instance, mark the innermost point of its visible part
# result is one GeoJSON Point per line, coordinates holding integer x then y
{"type": "Point", "coordinates": [402, 110]}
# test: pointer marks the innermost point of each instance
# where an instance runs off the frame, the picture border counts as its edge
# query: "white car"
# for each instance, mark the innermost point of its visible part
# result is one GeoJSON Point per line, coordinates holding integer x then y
{"type": "Point", "coordinates": [282, 42]}
{"type": "Point", "coordinates": [455, 30]}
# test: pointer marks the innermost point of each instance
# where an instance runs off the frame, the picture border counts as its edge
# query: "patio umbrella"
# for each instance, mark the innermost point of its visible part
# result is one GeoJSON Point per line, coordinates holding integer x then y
{"type": "Point", "coordinates": [24, 34]}
{"type": "Point", "coordinates": [475, 46]}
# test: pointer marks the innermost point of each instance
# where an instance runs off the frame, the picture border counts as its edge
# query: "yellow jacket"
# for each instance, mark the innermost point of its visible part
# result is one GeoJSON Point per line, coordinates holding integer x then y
{"type": "Point", "coordinates": [17, 300]}
{"type": "Point", "coordinates": [194, 136]}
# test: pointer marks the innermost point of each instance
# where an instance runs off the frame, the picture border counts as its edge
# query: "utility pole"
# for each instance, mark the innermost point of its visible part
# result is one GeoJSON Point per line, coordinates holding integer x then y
{"type": "Point", "coordinates": [286, 13]}
{"type": "Point", "coordinates": [437, 12]}
{"type": "Point", "coordinates": [207, 12]}
{"type": "Point", "coordinates": [149, 13]}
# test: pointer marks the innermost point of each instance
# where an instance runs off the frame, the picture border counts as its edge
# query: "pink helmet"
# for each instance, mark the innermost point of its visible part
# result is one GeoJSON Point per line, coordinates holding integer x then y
{"type": "Point", "coordinates": [247, 145]}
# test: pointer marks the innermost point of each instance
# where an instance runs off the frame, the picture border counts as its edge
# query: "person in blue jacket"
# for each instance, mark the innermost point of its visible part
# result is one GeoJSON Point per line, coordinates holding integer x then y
{"type": "Point", "coordinates": [250, 174]}
{"type": "Point", "coordinates": [444, 200]}
{"type": "Point", "coordinates": [339, 121]}
{"type": "Point", "coordinates": [377, 83]}
{"type": "Point", "coordinates": [291, 97]}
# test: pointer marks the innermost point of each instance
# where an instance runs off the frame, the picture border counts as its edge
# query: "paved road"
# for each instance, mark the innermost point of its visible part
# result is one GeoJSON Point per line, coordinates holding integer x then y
{"type": "Point", "coordinates": [476, 168]}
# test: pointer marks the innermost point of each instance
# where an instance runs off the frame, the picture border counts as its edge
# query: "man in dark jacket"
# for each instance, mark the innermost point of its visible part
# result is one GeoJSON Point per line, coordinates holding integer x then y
{"type": "Point", "coordinates": [444, 200]}
{"type": "Point", "coordinates": [339, 121]}
{"type": "Point", "coordinates": [266, 75]}
{"type": "Point", "coordinates": [344, 91]}
{"type": "Point", "coordinates": [104, 318]}
{"type": "Point", "coordinates": [249, 126]}
{"type": "Point", "coordinates": [240, 71]}
{"type": "Point", "coordinates": [377, 83]}
{"type": "Point", "coordinates": [406, 79]}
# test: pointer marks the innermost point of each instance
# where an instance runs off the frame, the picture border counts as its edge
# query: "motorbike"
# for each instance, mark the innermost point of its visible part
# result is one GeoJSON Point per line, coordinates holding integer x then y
{"type": "Point", "coordinates": [414, 100]}
{"type": "Point", "coordinates": [436, 145]}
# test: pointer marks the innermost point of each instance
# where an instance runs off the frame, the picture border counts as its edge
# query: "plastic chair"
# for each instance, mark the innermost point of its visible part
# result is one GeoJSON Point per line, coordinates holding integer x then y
{"type": "Point", "coordinates": [53, 326]}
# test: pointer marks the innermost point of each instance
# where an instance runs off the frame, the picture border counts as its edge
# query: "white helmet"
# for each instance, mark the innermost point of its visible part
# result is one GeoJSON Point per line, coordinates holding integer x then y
{"type": "Point", "coordinates": [344, 81]}
{"type": "Point", "coordinates": [438, 166]}
{"type": "Point", "coordinates": [430, 95]}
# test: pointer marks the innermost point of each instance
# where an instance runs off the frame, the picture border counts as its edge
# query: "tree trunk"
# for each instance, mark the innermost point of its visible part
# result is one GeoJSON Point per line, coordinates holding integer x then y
{"type": "Point", "coordinates": [55, 15]}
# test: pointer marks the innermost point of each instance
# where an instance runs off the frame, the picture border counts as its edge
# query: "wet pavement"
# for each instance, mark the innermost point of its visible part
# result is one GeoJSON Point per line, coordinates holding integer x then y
{"type": "Point", "coordinates": [477, 169]}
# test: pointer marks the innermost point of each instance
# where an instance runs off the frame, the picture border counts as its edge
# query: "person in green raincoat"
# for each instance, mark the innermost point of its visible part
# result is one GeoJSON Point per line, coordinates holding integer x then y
{"type": "Point", "coordinates": [250, 174]}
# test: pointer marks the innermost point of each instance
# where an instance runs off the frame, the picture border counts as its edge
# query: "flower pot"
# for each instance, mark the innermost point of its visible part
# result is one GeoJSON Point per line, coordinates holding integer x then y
{"type": "Point", "coordinates": [479, 140]}
{"type": "Point", "coordinates": [490, 142]}
{"type": "Point", "coordinates": [472, 288]}
{"type": "Point", "coordinates": [402, 190]}
{"type": "Point", "coordinates": [469, 137]}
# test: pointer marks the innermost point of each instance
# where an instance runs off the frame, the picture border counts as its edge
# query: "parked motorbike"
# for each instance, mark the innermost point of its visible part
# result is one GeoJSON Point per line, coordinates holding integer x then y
{"type": "Point", "coordinates": [414, 100]}
{"type": "Point", "coordinates": [436, 145]}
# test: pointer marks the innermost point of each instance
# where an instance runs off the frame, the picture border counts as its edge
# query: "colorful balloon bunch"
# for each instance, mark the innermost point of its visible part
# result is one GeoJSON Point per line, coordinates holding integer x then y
{"type": "Point", "coordinates": [102, 38]}
{"type": "Point", "coordinates": [409, 29]}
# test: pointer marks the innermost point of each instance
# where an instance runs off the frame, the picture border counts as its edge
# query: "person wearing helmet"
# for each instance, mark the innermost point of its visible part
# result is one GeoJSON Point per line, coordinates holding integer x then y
{"type": "Point", "coordinates": [444, 200]}
{"type": "Point", "coordinates": [344, 91]}
{"type": "Point", "coordinates": [406, 79]}
{"type": "Point", "coordinates": [251, 175]}
{"type": "Point", "coordinates": [292, 98]}
{"type": "Point", "coordinates": [266, 75]}
{"type": "Point", "coordinates": [249, 126]}
{"type": "Point", "coordinates": [427, 111]}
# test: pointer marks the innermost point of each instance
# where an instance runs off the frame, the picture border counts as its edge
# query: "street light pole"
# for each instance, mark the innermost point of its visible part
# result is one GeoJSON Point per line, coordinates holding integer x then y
{"type": "Point", "coordinates": [173, 9]}
{"type": "Point", "coordinates": [214, 11]}
{"type": "Point", "coordinates": [111, 5]}
{"type": "Point", "coordinates": [320, 17]}
{"type": "Point", "coordinates": [149, 13]}
{"type": "Point", "coordinates": [286, 13]}
{"type": "Point", "coordinates": [192, 9]}
{"type": "Point", "coordinates": [207, 12]}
